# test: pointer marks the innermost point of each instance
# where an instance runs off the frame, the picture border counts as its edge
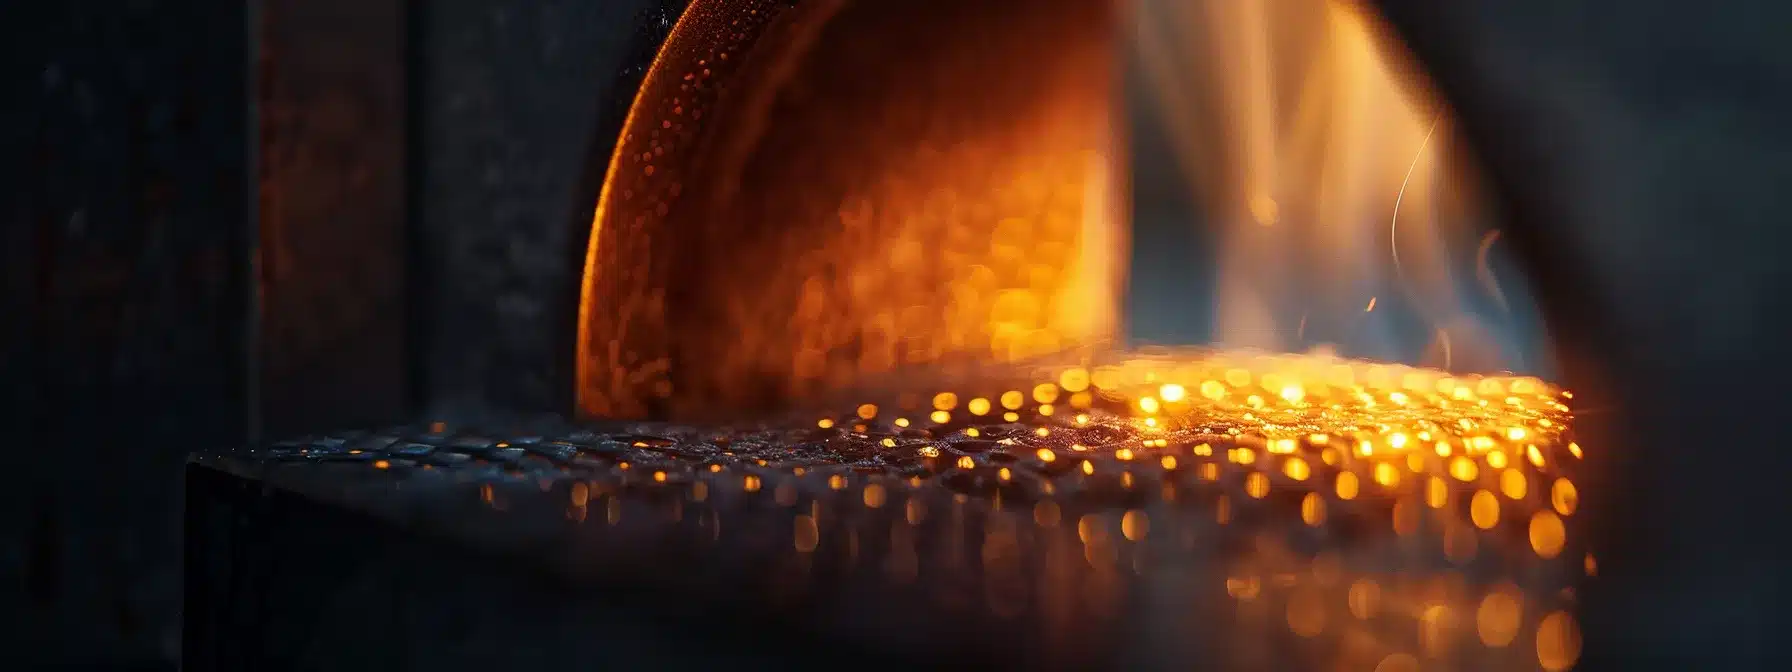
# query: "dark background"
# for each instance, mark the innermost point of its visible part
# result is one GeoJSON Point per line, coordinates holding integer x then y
{"type": "Point", "coordinates": [228, 220]}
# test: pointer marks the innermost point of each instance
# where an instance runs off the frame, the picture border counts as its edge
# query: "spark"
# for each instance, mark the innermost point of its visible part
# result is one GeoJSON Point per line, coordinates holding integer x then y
{"type": "Point", "coordinates": [1484, 270]}
{"type": "Point", "coordinates": [1394, 223]}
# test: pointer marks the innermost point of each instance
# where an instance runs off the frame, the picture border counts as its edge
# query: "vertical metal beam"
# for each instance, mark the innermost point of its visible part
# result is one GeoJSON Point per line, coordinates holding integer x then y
{"type": "Point", "coordinates": [518, 105]}
{"type": "Point", "coordinates": [331, 260]}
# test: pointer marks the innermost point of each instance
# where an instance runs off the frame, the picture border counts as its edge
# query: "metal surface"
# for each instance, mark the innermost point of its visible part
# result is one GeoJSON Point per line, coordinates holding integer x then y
{"type": "Point", "coordinates": [793, 209]}
{"type": "Point", "coordinates": [982, 553]}
{"type": "Point", "coordinates": [330, 280]}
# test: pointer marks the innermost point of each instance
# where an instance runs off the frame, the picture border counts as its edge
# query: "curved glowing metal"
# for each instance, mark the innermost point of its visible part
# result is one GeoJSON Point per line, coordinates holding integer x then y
{"type": "Point", "coordinates": [790, 209]}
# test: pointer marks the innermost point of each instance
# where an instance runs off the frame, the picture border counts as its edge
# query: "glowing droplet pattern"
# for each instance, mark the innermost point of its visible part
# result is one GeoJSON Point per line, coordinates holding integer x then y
{"type": "Point", "coordinates": [1064, 511]}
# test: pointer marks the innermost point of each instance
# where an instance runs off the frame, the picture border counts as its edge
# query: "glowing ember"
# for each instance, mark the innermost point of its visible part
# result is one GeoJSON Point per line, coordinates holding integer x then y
{"type": "Point", "coordinates": [1288, 415]}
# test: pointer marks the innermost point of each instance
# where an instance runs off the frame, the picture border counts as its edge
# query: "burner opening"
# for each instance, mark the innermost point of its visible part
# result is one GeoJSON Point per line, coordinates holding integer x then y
{"type": "Point", "coordinates": [814, 198]}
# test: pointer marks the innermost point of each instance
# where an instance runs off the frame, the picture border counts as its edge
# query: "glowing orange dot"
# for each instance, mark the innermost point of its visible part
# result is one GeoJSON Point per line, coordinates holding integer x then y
{"type": "Point", "coordinates": [1364, 598]}
{"type": "Point", "coordinates": [1013, 399]}
{"type": "Point", "coordinates": [1074, 380]}
{"type": "Point", "coordinates": [1347, 486]}
{"type": "Point", "coordinates": [1406, 517]}
{"type": "Point", "coordinates": [945, 401]}
{"type": "Point", "coordinates": [581, 493]}
{"type": "Point", "coordinates": [1134, 525]}
{"type": "Point", "coordinates": [1256, 485]}
{"type": "Point", "coordinates": [1312, 509]}
{"type": "Point", "coordinates": [1513, 483]}
{"type": "Point", "coordinates": [1387, 475]}
{"type": "Point", "coordinates": [1463, 469]}
{"type": "Point", "coordinates": [1498, 618]}
{"type": "Point", "coordinates": [1547, 533]}
{"type": "Point", "coordinates": [1564, 497]}
{"type": "Point", "coordinates": [808, 536]}
{"type": "Point", "coordinates": [1558, 642]}
{"type": "Point", "coordinates": [1243, 588]}
{"type": "Point", "coordinates": [1437, 492]}
{"type": "Point", "coordinates": [1484, 510]}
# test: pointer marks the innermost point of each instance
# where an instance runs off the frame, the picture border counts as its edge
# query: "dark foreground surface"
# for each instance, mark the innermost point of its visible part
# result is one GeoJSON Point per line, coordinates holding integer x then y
{"type": "Point", "coordinates": [658, 546]}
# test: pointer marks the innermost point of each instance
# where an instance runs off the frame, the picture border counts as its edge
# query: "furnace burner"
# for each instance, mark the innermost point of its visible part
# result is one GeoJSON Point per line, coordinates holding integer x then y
{"type": "Point", "coordinates": [904, 273]}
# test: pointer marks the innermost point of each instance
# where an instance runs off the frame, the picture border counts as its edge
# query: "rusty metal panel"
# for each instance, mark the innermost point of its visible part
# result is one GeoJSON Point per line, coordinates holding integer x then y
{"type": "Point", "coordinates": [331, 263]}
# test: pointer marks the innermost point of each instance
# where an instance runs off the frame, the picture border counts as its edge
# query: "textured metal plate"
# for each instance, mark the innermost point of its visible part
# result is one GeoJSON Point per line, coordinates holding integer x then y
{"type": "Point", "coordinates": [952, 547]}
